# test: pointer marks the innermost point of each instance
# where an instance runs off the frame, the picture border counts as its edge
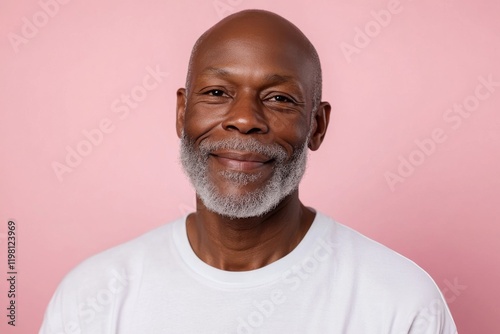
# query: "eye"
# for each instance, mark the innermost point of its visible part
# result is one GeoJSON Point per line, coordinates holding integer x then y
{"type": "Point", "coordinates": [281, 98]}
{"type": "Point", "coordinates": [215, 92]}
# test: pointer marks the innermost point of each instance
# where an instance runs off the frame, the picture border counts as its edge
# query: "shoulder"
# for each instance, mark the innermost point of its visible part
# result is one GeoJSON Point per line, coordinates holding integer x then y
{"type": "Point", "coordinates": [378, 270]}
{"type": "Point", "coordinates": [100, 284]}
{"type": "Point", "coordinates": [363, 253]}
{"type": "Point", "coordinates": [380, 280]}
{"type": "Point", "coordinates": [120, 263]}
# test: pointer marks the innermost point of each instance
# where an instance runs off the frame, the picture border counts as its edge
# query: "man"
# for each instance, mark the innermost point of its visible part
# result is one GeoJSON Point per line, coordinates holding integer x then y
{"type": "Point", "coordinates": [252, 258]}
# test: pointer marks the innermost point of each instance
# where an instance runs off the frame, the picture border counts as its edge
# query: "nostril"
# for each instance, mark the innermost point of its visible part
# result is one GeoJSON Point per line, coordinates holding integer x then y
{"type": "Point", "coordinates": [255, 130]}
{"type": "Point", "coordinates": [231, 127]}
{"type": "Point", "coordinates": [244, 129]}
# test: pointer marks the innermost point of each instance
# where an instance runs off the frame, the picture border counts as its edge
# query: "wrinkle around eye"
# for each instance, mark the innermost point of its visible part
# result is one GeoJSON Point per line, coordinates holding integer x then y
{"type": "Point", "coordinates": [283, 103]}
{"type": "Point", "coordinates": [281, 107]}
{"type": "Point", "coordinates": [284, 97]}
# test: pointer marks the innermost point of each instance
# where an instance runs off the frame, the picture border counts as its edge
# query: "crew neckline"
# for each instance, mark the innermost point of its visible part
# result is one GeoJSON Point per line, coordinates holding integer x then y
{"type": "Point", "coordinates": [251, 278]}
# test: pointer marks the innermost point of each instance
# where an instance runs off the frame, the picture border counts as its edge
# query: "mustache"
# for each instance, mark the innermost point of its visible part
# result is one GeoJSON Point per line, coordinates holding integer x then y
{"type": "Point", "coordinates": [272, 151]}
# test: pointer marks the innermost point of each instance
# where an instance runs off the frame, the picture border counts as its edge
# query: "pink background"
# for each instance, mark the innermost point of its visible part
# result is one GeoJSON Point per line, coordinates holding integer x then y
{"type": "Point", "coordinates": [62, 77]}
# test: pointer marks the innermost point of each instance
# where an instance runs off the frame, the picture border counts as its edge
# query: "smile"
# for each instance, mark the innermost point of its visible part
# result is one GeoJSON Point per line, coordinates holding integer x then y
{"type": "Point", "coordinates": [241, 161]}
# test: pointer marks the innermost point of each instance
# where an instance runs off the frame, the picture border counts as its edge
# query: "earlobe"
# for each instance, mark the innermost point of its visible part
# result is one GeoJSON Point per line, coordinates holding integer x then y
{"type": "Point", "coordinates": [321, 119]}
{"type": "Point", "coordinates": [180, 111]}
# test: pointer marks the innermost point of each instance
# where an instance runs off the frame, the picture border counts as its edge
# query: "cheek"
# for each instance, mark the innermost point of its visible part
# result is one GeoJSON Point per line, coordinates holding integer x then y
{"type": "Point", "coordinates": [199, 122]}
{"type": "Point", "coordinates": [292, 129]}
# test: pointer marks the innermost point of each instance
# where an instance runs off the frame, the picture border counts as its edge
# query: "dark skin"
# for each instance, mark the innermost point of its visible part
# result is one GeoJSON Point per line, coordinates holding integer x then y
{"type": "Point", "coordinates": [250, 77]}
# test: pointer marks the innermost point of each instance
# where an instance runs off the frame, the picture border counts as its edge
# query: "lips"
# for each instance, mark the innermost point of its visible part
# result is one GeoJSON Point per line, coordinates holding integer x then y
{"type": "Point", "coordinates": [241, 161]}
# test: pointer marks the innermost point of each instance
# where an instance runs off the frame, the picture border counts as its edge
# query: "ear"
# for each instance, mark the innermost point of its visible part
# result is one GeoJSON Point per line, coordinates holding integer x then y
{"type": "Point", "coordinates": [320, 124]}
{"type": "Point", "coordinates": [181, 110]}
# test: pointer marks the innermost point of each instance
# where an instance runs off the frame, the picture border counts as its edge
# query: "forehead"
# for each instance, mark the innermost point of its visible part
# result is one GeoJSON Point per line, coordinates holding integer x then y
{"type": "Point", "coordinates": [253, 53]}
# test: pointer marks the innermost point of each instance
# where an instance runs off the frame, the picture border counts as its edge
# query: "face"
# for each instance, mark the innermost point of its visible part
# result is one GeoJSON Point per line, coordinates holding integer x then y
{"type": "Point", "coordinates": [245, 123]}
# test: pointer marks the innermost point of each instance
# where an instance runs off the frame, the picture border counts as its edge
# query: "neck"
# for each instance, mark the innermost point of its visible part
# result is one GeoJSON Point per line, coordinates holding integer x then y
{"type": "Point", "coordinates": [248, 243]}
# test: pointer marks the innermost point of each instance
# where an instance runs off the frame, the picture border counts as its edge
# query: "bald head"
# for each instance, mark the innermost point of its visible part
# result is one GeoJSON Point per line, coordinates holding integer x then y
{"type": "Point", "coordinates": [266, 30]}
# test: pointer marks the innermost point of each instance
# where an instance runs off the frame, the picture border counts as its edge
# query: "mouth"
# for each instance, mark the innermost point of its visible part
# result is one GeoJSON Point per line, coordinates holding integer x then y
{"type": "Point", "coordinates": [241, 161]}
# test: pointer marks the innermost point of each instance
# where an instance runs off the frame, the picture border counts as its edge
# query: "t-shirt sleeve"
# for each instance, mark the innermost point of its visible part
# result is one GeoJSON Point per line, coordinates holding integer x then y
{"type": "Point", "coordinates": [433, 320]}
{"type": "Point", "coordinates": [60, 315]}
{"type": "Point", "coordinates": [433, 316]}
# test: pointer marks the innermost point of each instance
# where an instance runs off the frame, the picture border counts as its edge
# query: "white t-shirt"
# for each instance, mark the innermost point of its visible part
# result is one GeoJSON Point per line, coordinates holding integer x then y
{"type": "Point", "coordinates": [334, 281]}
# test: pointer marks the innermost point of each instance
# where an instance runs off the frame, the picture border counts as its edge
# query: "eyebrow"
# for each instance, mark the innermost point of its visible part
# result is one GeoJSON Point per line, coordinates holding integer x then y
{"type": "Point", "coordinates": [216, 70]}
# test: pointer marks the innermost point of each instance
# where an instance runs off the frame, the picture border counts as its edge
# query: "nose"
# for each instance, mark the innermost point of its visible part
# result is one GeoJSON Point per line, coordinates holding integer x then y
{"type": "Point", "coordinates": [246, 115]}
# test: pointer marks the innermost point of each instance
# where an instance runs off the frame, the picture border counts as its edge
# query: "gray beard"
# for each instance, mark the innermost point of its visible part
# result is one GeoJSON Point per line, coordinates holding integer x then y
{"type": "Point", "coordinates": [284, 180]}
